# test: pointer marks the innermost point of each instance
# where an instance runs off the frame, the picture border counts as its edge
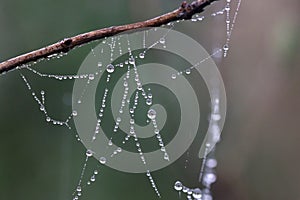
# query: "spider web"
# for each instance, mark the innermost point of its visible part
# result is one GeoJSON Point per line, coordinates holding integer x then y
{"type": "Point", "coordinates": [143, 96]}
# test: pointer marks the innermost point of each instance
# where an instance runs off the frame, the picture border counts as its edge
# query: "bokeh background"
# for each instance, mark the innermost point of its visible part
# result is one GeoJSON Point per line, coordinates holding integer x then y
{"type": "Point", "coordinates": [258, 155]}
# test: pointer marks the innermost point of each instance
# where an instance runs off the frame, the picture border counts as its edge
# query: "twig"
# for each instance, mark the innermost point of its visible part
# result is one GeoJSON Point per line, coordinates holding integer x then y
{"type": "Point", "coordinates": [185, 11]}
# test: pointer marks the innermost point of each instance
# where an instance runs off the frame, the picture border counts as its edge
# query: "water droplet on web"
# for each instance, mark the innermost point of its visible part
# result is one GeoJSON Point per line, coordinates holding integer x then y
{"type": "Point", "coordinates": [206, 195]}
{"type": "Point", "coordinates": [211, 163]}
{"type": "Point", "coordinates": [93, 178]}
{"type": "Point", "coordinates": [74, 113]}
{"type": "Point", "coordinates": [227, 7]}
{"type": "Point", "coordinates": [42, 108]}
{"type": "Point", "coordinates": [178, 186]}
{"type": "Point", "coordinates": [173, 76]}
{"type": "Point", "coordinates": [149, 102]}
{"type": "Point", "coordinates": [118, 119]}
{"type": "Point", "coordinates": [209, 178]}
{"type": "Point", "coordinates": [131, 60]}
{"type": "Point", "coordinates": [91, 76]}
{"type": "Point", "coordinates": [142, 55]}
{"type": "Point", "coordinates": [185, 189]}
{"type": "Point", "coordinates": [102, 160]}
{"type": "Point", "coordinates": [110, 68]}
{"type": "Point", "coordinates": [166, 157]}
{"type": "Point", "coordinates": [89, 153]}
{"type": "Point", "coordinates": [226, 47]}
{"type": "Point", "coordinates": [216, 117]}
{"type": "Point", "coordinates": [162, 40]}
{"type": "Point", "coordinates": [188, 71]}
{"type": "Point", "coordinates": [78, 189]}
{"type": "Point", "coordinates": [197, 194]}
{"type": "Point", "coordinates": [151, 114]}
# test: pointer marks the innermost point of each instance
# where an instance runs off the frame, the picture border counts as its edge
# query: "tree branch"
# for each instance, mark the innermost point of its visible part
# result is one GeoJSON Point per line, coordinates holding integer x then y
{"type": "Point", "coordinates": [185, 11]}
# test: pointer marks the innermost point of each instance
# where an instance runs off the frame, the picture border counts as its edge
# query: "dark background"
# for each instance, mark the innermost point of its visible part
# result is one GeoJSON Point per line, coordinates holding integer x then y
{"type": "Point", "coordinates": [258, 155]}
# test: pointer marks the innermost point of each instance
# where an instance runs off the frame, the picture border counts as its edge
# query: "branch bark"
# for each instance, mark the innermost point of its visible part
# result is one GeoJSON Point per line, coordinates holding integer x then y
{"type": "Point", "coordinates": [185, 11]}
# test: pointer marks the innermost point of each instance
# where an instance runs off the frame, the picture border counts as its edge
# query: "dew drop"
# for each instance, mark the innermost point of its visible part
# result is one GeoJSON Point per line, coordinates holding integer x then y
{"type": "Point", "coordinates": [89, 153]}
{"type": "Point", "coordinates": [178, 186]}
{"type": "Point", "coordinates": [91, 76]}
{"type": "Point", "coordinates": [142, 55]}
{"type": "Point", "coordinates": [227, 7]}
{"type": "Point", "coordinates": [42, 108]}
{"type": "Point", "coordinates": [173, 76]}
{"type": "Point", "coordinates": [110, 68]}
{"type": "Point", "coordinates": [211, 163]}
{"type": "Point", "coordinates": [149, 102]}
{"type": "Point", "coordinates": [93, 178]}
{"type": "Point", "coordinates": [78, 189]}
{"type": "Point", "coordinates": [48, 119]}
{"type": "Point", "coordinates": [209, 178]}
{"type": "Point", "coordinates": [131, 60]}
{"type": "Point", "coordinates": [184, 189]}
{"type": "Point", "coordinates": [162, 40]}
{"type": "Point", "coordinates": [226, 47]}
{"type": "Point", "coordinates": [118, 119]}
{"type": "Point", "coordinates": [74, 113]}
{"type": "Point", "coordinates": [216, 117]}
{"type": "Point", "coordinates": [131, 110]}
{"type": "Point", "coordinates": [206, 195]}
{"type": "Point", "coordinates": [131, 121]}
{"type": "Point", "coordinates": [197, 193]}
{"type": "Point", "coordinates": [188, 71]}
{"type": "Point", "coordinates": [102, 160]}
{"type": "Point", "coordinates": [151, 114]}
{"type": "Point", "coordinates": [166, 156]}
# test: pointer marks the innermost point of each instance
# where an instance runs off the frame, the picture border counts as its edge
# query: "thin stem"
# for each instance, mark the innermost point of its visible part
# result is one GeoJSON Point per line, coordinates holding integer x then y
{"type": "Point", "coordinates": [185, 11]}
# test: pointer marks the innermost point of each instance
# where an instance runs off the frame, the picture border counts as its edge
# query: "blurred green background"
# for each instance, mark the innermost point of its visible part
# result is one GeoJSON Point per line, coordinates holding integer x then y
{"type": "Point", "coordinates": [258, 155]}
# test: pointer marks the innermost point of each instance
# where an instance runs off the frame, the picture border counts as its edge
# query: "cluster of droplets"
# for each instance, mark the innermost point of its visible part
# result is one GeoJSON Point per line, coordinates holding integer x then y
{"type": "Point", "coordinates": [152, 116]}
{"type": "Point", "coordinates": [193, 193]}
{"type": "Point", "coordinates": [100, 115]}
{"type": "Point", "coordinates": [41, 103]}
{"type": "Point", "coordinates": [229, 23]}
{"type": "Point", "coordinates": [79, 189]}
{"type": "Point", "coordinates": [153, 183]}
{"type": "Point", "coordinates": [89, 76]}
{"type": "Point", "coordinates": [207, 172]}
{"type": "Point", "coordinates": [147, 96]}
{"type": "Point", "coordinates": [188, 70]}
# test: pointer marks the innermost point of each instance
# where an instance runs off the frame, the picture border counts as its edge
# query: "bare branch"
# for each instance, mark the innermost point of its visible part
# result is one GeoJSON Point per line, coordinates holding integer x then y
{"type": "Point", "coordinates": [185, 11]}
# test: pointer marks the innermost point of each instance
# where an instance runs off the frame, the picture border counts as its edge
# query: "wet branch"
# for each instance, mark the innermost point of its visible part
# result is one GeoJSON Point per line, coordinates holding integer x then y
{"type": "Point", "coordinates": [185, 11]}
